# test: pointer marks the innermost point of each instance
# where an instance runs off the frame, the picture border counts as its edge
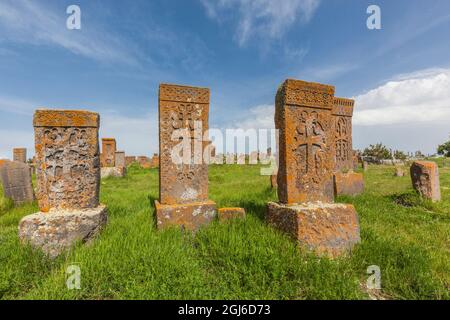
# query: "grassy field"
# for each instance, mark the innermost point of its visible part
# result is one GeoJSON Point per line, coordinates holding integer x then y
{"type": "Point", "coordinates": [409, 239]}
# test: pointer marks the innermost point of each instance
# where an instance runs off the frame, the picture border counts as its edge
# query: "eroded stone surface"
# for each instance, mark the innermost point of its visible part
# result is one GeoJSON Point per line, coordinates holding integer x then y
{"type": "Point", "coordinates": [108, 157]}
{"type": "Point", "coordinates": [20, 155]}
{"type": "Point", "coordinates": [425, 179]}
{"type": "Point", "coordinates": [58, 230]}
{"type": "Point", "coordinates": [16, 181]}
{"type": "Point", "coordinates": [306, 166]}
{"type": "Point", "coordinates": [117, 172]}
{"type": "Point", "coordinates": [349, 183]}
{"type": "Point", "coordinates": [342, 128]}
{"type": "Point", "coordinates": [188, 216]}
{"type": "Point", "coordinates": [327, 229]}
{"type": "Point", "coordinates": [231, 213]}
{"type": "Point", "coordinates": [120, 159]}
{"type": "Point", "coordinates": [183, 186]}
{"type": "Point", "coordinates": [67, 159]}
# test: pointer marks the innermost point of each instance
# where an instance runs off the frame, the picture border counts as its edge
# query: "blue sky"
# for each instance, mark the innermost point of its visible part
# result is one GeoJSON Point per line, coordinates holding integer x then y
{"type": "Point", "coordinates": [241, 49]}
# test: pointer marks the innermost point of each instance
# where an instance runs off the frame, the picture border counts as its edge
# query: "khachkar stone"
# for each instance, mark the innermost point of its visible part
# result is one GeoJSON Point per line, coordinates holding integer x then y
{"type": "Point", "coordinates": [108, 152]}
{"type": "Point", "coordinates": [306, 211]}
{"type": "Point", "coordinates": [15, 178]}
{"type": "Point", "coordinates": [346, 182]}
{"type": "Point", "coordinates": [68, 176]}
{"type": "Point", "coordinates": [20, 155]}
{"type": "Point", "coordinates": [183, 186]}
{"type": "Point", "coordinates": [425, 179]}
{"type": "Point", "coordinates": [120, 159]}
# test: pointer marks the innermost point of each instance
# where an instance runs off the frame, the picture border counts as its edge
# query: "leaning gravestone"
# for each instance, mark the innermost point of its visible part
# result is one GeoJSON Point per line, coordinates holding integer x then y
{"type": "Point", "coordinates": [346, 182]}
{"type": "Point", "coordinates": [20, 155]}
{"type": "Point", "coordinates": [68, 176]}
{"type": "Point", "coordinates": [425, 179]}
{"type": "Point", "coordinates": [15, 178]}
{"type": "Point", "coordinates": [108, 155]}
{"type": "Point", "coordinates": [306, 211]}
{"type": "Point", "coordinates": [183, 189]}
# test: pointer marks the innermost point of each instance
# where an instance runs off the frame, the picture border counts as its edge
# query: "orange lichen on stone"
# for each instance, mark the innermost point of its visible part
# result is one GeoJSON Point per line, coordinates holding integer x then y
{"type": "Point", "coordinates": [327, 229]}
{"type": "Point", "coordinates": [66, 118]}
{"type": "Point", "coordinates": [231, 213]}
{"type": "Point", "coordinates": [425, 179]}
{"type": "Point", "coordinates": [349, 183]}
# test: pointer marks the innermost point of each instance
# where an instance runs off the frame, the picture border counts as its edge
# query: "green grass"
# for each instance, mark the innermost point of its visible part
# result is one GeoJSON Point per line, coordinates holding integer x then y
{"type": "Point", "coordinates": [407, 237]}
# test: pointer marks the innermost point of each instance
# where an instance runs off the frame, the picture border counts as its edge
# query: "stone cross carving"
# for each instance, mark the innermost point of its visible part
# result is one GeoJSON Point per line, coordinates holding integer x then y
{"type": "Point", "coordinates": [342, 113]}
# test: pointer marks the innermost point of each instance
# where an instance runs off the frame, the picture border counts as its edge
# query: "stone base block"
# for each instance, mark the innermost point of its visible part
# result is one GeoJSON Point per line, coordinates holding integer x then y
{"type": "Point", "coordinates": [325, 228]}
{"type": "Point", "coordinates": [117, 172]}
{"type": "Point", "coordinates": [190, 216]}
{"type": "Point", "coordinates": [56, 231]}
{"type": "Point", "coordinates": [349, 184]}
{"type": "Point", "coordinates": [231, 213]}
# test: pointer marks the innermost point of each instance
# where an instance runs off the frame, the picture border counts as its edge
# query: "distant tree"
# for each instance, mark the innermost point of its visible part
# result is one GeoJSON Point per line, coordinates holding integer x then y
{"type": "Point", "coordinates": [400, 155]}
{"type": "Point", "coordinates": [377, 151]}
{"type": "Point", "coordinates": [444, 149]}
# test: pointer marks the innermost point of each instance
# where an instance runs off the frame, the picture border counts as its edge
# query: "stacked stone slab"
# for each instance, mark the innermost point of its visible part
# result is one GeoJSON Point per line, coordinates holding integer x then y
{"type": "Point", "coordinates": [20, 155]}
{"type": "Point", "coordinates": [68, 176]}
{"type": "Point", "coordinates": [425, 179]}
{"type": "Point", "coordinates": [15, 178]}
{"type": "Point", "coordinates": [305, 211]}
{"type": "Point", "coordinates": [346, 181]}
{"type": "Point", "coordinates": [183, 186]}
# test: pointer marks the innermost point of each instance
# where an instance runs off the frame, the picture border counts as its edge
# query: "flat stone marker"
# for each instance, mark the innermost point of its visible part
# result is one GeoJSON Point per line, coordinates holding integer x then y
{"type": "Point", "coordinates": [225, 214]}
{"type": "Point", "coordinates": [303, 115]}
{"type": "Point", "coordinates": [183, 186]}
{"type": "Point", "coordinates": [253, 159]}
{"type": "Point", "coordinates": [108, 155]}
{"type": "Point", "coordinates": [425, 179]}
{"type": "Point", "coordinates": [346, 182]}
{"type": "Point", "coordinates": [241, 159]}
{"type": "Point", "coordinates": [16, 181]}
{"type": "Point", "coordinates": [68, 181]}
{"type": "Point", "coordinates": [20, 155]}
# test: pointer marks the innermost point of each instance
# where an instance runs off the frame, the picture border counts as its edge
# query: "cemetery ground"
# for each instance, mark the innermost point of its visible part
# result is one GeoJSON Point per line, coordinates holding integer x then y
{"type": "Point", "coordinates": [408, 238]}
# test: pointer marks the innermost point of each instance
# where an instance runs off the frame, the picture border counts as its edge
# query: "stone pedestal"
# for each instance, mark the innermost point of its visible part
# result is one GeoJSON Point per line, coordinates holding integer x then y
{"type": "Point", "coordinates": [326, 228]}
{"type": "Point", "coordinates": [189, 216]}
{"type": "Point", "coordinates": [117, 172]}
{"type": "Point", "coordinates": [350, 183]}
{"type": "Point", "coordinates": [58, 230]}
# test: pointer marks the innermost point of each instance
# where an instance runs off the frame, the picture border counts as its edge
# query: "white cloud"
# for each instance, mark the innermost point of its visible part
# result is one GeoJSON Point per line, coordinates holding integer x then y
{"type": "Point", "coordinates": [259, 117]}
{"type": "Point", "coordinates": [422, 96]}
{"type": "Point", "coordinates": [262, 18]}
{"type": "Point", "coordinates": [32, 22]}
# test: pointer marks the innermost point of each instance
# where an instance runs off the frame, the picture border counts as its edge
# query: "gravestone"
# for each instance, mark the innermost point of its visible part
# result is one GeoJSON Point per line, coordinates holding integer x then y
{"type": "Point", "coordinates": [241, 159]}
{"type": "Point", "coordinates": [225, 214]}
{"type": "Point", "coordinates": [16, 181]}
{"type": "Point", "coordinates": [230, 158]}
{"type": "Point", "coordinates": [108, 155]}
{"type": "Point", "coordinates": [68, 181]}
{"type": "Point", "coordinates": [425, 179]}
{"type": "Point", "coordinates": [20, 155]}
{"type": "Point", "coordinates": [155, 161]}
{"type": "Point", "coordinates": [144, 162]}
{"type": "Point", "coordinates": [346, 182]}
{"type": "Point", "coordinates": [183, 188]}
{"type": "Point", "coordinates": [120, 159]}
{"type": "Point", "coordinates": [303, 116]}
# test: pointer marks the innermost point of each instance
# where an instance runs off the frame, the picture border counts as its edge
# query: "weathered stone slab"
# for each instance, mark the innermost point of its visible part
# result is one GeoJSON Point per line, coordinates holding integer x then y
{"type": "Point", "coordinates": [325, 228]}
{"type": "Point", "coordinates": [187, 216]}
{"type": "Point", "coordinates": [306, 166]}
{"type": "Point", "coordinates": [130, 160]}
{"type": "Point", "coordinates": [120, 159]}
{"type": "Point", "coordinates": [116, 172]}
{"type": "Point", "coordinates": [58, 230]}
{"type": "Point", "coordinates": [230, 158]}
{"type": "Point", "coordinates": [108, 156]}
{"type": "Point", "coordinates": [342, 127]}
{"type": "Point", "coordinates": [225, 214]}
{"type": "Point", "coordinates": [241, 159]}
{"type": "Point", "coordinates": [155, 161]}
{"type": "Point", "coordinates": [67, 159]}
{"type": "Point", "coordinates": [253, 158]}
{"type": "Point", "coordinates": [274, 181]}
{"type": "Point", "coordinates": [349, 183]}
{"type": "Point", "coordinates": [183, 181]}
{"type": "Point", "coordinates": [425, 179]}
{"type": "Point", "coordinates": [16, 181]}
{"type": "Point", "coordinates": [20, 155]}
